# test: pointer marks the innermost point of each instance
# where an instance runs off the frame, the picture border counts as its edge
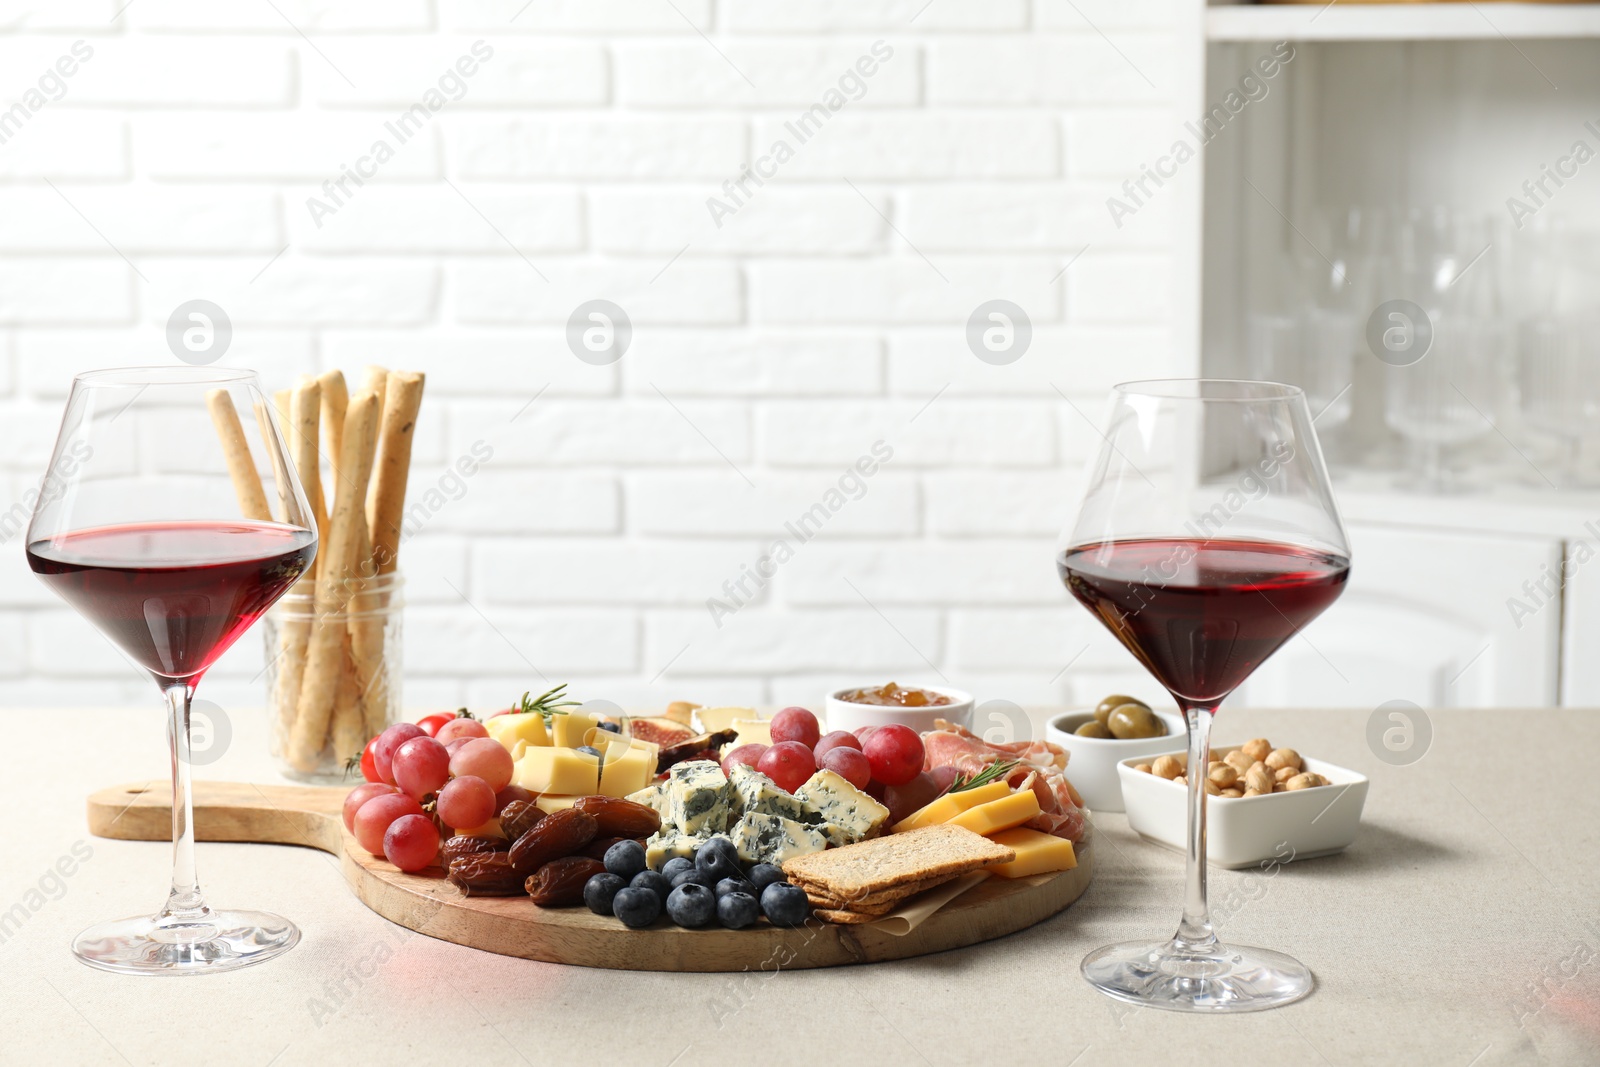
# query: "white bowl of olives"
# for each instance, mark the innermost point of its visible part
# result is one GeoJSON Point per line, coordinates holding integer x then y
{"type": "Point", "coordinates": [1118, 728]}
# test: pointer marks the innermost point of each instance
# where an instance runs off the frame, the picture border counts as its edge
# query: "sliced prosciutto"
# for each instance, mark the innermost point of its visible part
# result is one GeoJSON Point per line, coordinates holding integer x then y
{"type": "Point", "coordinates": [1039, 767]}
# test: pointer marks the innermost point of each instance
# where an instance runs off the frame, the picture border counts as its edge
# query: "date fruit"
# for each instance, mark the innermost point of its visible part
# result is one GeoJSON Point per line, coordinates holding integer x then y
{"type": "Point", "coordinates": [596, 849]}
{"type": "Point", "coordinates": [464, 845]}
{"type": "Point", "coordinates": [485, 874]}
{"type": "Point", "coordinates": [559, 883]}
{"type": "Point", "coordinates": [619, 817]}
{"type": "Point", "coordinates": [552, 838]}
{"type": "Point", "coordinates": [518, 817]}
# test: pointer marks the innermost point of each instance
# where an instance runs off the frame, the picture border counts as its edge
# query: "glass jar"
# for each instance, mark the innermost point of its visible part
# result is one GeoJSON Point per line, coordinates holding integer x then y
{"type": "Point", "coordinates": [333, 672]}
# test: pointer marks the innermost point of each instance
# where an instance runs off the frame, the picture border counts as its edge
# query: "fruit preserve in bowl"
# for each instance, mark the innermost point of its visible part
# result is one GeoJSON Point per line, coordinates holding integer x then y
{"type": "Point", "coordinates": [856, 706]}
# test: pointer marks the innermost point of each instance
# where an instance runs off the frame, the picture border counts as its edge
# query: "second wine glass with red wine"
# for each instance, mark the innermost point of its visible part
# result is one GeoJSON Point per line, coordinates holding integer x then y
{"type": "Point", "coordinates": [172, 519]}
{"type": "Point", "coordinates": [1207, 539]}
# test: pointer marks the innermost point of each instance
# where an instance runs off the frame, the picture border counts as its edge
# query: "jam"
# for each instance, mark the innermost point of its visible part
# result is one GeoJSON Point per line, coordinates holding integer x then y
{"type": "Point", "coordinates": [894, 696]}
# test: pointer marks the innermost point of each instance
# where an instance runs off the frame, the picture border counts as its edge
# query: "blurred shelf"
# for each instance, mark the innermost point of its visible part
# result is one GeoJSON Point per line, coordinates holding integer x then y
{"type": "Point", "coordinates": [1502, 505]}
{"type": "Point", "coordinates": [1400, 22]}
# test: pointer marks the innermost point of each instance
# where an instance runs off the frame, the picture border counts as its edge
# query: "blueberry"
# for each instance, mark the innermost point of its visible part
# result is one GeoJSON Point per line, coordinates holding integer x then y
{"type": "Point", "coordinates": [737, 910]}
{"type": "Point", "coordinates": [700, 878]}
{"type": "Point", "coordinates": [784, 904]}
{"type": "Point", "coordinates": [625, 858]}
{"type": "Point", "coordinates": [691, 905]}
{"type": "Point", "coordinates": [590, 749]}
{"type": "Point", "coordinates": [611, 727]}
{"type": "Point", "coordinates": [676, 866]}
{"type": "Point", "coordinates": [764, 874]}
{"type": "Point", "coordinates": [654, 881]}
{"type": "Point", "coordinates": [636, 907]}
{"type": "Point", "coordinates": [600, 892]}
{"type": "Point", "coordinates": [734, 885]}
{"type": "Point", "coordinates": [718, 859]}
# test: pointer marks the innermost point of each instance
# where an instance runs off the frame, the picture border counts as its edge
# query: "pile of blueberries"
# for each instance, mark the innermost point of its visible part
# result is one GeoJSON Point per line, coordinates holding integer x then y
{"type": "Point", "coordinates": [713, 887]}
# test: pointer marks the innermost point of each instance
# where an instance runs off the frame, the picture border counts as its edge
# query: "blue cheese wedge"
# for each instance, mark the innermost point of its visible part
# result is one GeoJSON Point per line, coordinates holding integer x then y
{"type": "Point", "coordinates": [843, 807]}
{"type": "Point", "coordinates": [754, 791]}
{"type": "Point", "coordinates": [773, 839]}
{"type": "Point", "coordinates": [699, 802]}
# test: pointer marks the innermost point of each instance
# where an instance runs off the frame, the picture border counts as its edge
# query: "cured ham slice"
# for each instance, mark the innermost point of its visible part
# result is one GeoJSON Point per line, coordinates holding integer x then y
{"type": "Point", "coordinates": [1039, 767]}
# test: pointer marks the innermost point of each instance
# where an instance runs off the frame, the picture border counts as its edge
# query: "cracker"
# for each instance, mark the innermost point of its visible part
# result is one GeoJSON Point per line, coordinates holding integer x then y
{"type": "Point", "coordinates": [887, 899]}
{"type": "Point", "coordinates": [856, 872]}
{"type": "Point", "coordinates": [846, 917]}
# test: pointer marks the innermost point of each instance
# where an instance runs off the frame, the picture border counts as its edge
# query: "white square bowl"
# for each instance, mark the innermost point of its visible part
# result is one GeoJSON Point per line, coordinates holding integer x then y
{"type": "Point", "coordinates": [1247, 831]}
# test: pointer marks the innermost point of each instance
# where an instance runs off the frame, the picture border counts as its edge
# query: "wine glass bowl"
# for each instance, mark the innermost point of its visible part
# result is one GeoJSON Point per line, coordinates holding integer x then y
{"type": "Point", "coordinates": [1208, 537]}
{"type": "Point", "coordinates": [171, 518]}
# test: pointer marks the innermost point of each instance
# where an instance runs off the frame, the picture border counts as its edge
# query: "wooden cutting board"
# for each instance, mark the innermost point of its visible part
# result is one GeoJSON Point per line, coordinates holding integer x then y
{"type": "Point", "coordinates": [513, 926]}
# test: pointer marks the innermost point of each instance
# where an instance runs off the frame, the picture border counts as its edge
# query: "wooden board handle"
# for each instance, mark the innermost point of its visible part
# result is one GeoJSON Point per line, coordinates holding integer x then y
{"type": "Point", "coordinates": [224, 811]}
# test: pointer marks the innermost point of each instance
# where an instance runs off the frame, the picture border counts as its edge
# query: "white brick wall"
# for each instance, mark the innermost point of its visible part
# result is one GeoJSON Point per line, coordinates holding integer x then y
{"type": "Point", "coordinates": [770, 352]}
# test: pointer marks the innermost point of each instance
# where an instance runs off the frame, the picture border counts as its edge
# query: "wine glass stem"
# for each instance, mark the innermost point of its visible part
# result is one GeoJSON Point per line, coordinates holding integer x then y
{"type": "Point", "coordinates": [185, 903]}
{"type": "Point", "coordinates": [1194, 932]}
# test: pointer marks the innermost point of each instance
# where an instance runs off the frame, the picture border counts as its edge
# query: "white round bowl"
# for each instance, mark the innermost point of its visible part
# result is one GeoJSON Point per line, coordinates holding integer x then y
{"type": "Point", "coordinates": [843, 715]}
{"type": "Point", "coordinates": [1092, 766]}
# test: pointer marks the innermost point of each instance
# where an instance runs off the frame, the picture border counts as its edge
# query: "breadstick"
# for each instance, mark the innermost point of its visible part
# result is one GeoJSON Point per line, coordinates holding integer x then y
{"type": "Point", "coordinates": [281, 401]}
{"type": "Point", "coordinates": [386, 509]}
{"type": "Point", "coordinates": [367, 609]}
{"type": "Point", "coordinates": [349, 719]}
{"type": "Point", "coordinates": [326, 654]}
{"type": "Point", "coordinates": [335, 399]}
{"type": "Point", "coordinates": [305, 405]}
{"type": "Point", "coordinates": [236, 451]}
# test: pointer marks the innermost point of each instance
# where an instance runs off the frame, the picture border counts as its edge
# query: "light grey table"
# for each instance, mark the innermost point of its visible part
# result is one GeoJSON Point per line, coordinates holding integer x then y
{"type": "Point", "coordinates": [1460, 929]}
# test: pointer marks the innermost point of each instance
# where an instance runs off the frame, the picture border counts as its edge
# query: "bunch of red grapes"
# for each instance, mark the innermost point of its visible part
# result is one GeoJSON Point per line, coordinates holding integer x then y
{"type": "Point", "coordinates": [445, 760]}
{"type": "Point", "coordinates": [883, 761]}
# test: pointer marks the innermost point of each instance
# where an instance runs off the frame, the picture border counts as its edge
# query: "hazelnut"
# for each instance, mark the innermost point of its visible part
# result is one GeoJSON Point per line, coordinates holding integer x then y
{"type": "Point", "coordinates": [1304, 781]}
{"type": "Point", "coordinates": [1230, 793]}
{"type": "Point", "coordinates": [1258, 779]}
{"type": "Point", "coordinates": [1279, 758]}
{"type": "Point", "coordinates": [1283, 774]}
{"type": "Point", "coordinates": [1256, 748]}
{"type": "Point", "coordinates": [1222, 774]}
{"type": "Point", "coordinates": [1145, 767]}
{"type": "Point", "coordinates": [1166, 767]}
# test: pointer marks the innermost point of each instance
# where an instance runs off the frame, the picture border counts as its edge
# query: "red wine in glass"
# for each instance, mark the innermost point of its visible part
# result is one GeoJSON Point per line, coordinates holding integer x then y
{"type": "Point", "coordinates": [174, 595]}
{"type": "Point", "coordinates": [1201, 615]}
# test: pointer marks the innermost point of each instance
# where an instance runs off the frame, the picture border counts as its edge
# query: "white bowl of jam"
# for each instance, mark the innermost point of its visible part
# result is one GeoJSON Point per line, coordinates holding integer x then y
{"type": "Point", "coordinates": [883, 705]}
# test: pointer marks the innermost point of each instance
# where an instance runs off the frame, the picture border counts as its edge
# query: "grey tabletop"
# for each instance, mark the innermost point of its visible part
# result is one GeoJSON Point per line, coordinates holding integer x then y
{"type": "Point", "coordinates": [1459, 929]}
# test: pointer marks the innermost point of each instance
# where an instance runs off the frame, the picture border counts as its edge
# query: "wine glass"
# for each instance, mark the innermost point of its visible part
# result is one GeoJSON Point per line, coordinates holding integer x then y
{"type": "Point", "coordinates": [1208, 537]}
{"type": "Point", "coordinates": [154, 523]}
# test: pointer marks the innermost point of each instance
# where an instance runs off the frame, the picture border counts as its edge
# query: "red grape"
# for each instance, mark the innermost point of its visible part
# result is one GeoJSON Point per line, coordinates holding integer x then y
{"type": "Point", "coordinates": [902, 800]}
{"type": "Point", "coordinates": [411, 842]}
{"type": "Point", "coordinates": [369, 766]}
{"type": "Point", "coordinates": [465, 802]}
{"type": "Point", "coordinates": [453, 746]}
{"type": "Point", "coordinates": [421, 766]}
{"type": "Point", "coordinates": [431, 724]}
{"type": "Point", "coordinates": [795, 724]}
{"type": "Point", "coordinates": [896, 754]}
{"type": "Point", "coordinates": [850, 764]}
{"type": "Point", "coordinates": [864, 732]}
{"type": "Point", "coordinates": [836, 739]}
{"type": "Point", "coordinates": [510, 794]}
{"type": "Point", "coordinates": [788, 763]}
{"type": "Point", "coordinates": [373, 818]}
{"type": "Point", "coordinates": [485, 758]}
{"type": "Point", "coordinates": [462, 728]}
{"type": "Point", "coordinates": [383, 749]}
{"type": "Point", "coordinates": [944, 777]}
{"type": "Point", "coordinates": [749, 755]}
{"type": "Point", "coordinates": [359, 796]}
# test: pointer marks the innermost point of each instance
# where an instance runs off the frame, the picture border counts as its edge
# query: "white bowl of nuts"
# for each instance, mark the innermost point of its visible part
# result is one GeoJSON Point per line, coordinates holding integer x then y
{"type": "Point", "coordinates": [1264, 805]}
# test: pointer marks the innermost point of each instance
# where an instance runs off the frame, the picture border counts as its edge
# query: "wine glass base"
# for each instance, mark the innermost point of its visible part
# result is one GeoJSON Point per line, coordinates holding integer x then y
{"type": "Point", "coordinates": [225, 941]}
{"type": "Point", "coordinates": [1224, 979]}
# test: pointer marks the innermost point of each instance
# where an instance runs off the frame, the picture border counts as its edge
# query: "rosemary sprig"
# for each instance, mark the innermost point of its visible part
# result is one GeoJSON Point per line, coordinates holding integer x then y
{"type": "Point", "coordinates": [998, 771]}
{"type": "Point", "coordinates": [548, 703]}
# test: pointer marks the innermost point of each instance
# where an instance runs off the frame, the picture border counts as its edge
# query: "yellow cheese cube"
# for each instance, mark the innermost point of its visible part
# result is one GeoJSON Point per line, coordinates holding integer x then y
{"type": "Point", "coordinates": [998, 815]}
{"type": "Point", "coordinates": [950, 805]}
{"type": "Point", "coordinates": [509, 729]}
{"type": "Point", "coordinates": [550, 803]}
{"type": "Point", "coordinates": [568, 730]}
{"type": "Point", "coordinates": [1037, 853]}
{"type": "Point", "coordinates": [626, 770]}
{"type": "Point", "coordinates": [563, 771]}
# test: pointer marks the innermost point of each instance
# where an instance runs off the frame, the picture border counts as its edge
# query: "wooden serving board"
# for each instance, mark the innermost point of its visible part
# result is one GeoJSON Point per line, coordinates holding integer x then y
{"type": "Point", "coordinates": [514, 926]}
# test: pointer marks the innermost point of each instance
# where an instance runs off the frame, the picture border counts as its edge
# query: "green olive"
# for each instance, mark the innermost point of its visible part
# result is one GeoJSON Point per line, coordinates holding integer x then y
{"type": "Point", "coordinates": [1102, 714]}
{"type": "Point", "coordinates": [1134, 720]}
{"type": "Point", "coordinates": [1093, 728]}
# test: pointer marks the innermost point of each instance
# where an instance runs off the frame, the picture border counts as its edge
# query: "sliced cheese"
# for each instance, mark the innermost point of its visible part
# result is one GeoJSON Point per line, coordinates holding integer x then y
{"type": "Point", "coordinates": [1037, 853]}
{"type": "Point", "coordinates": [716, 720]}
{"type": "Point", "coordinates": [569, 730]}
{"type": "Point", "coordinates": [563, 771]}
{"type": "Point", "coordinates": [998, 815]}
{"type": "Point", "coordinates": [509, 729]}
{"type": "Point", "coordinates": [950, 805]}
{"type": "Point", "coordinates": [550, 803]}
{"type": "Point", "coordinates": [752, 731]}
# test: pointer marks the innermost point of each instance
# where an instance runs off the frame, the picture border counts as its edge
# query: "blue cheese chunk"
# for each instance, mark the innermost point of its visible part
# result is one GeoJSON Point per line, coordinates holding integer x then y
{"type": "Point", "coordinates": [754, 791]}
{"type": "Point", "coordinates": [699, 801]}
{"type": "Point", "coordinates": [670, 844]}
{"type": "Point", "coordinates": [773, 839]}
{"type": "Point", "coordinates": [842, 806]}
{"type": "Point", "coordinates": [653, 796]}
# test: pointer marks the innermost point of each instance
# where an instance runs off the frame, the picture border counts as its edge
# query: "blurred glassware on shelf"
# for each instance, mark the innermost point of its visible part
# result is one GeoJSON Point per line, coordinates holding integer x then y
{"type": "Point", "coordinates": [1558, 351]}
